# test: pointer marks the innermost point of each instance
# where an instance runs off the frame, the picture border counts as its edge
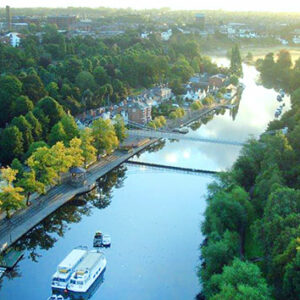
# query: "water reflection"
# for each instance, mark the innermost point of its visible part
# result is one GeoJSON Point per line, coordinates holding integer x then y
{"type": "Point", "coordinates": [46, 234]}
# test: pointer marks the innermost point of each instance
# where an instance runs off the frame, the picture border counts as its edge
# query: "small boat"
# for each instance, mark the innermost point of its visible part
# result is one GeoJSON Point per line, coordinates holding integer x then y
{"type": "Point", "coordinates": [87, 272]}
{"type": "Point", "coordinates": [279, 98]}
{"type": "Point", "coordinates": [181, 130]}
{"type": "Point", "coordinates": [98, 237]}
{"type": "Point", "coordinates": [56, 297]}
{"type": "Point", "coordinates": [64, 271]}
{"type": "Point", "coordinates": [106, 240]}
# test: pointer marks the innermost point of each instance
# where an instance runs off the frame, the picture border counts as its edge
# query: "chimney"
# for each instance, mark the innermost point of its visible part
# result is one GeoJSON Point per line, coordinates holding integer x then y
{"type": "Point", "coordinates": [8, 18]}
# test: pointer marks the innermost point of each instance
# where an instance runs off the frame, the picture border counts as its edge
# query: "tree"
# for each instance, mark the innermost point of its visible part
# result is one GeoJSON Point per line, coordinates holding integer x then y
{"type": "Point", "coordinates": [17, 166]}
{"type": "Point", "coordinates": [52, 109]}
{"type": "Point", "coordinates": [236, 62]}
{"type": "Point", "coordinates": [57, 134]}
{"type": "Point", "coordinates": [70, 127]}
{"type": "Point", "coordinates": [85, 80]}
{"type": "Point", "coordinates": [22, 106]}
{"type": "Point", "coordinates": [25, 128]}
{"type": "Point", "coordinates": [241, 280]}
{"type": "Point", "coordinates": [73, 67]}
{"type": "Point", "coordinates": [88, 150]}
{"type": "Point", "coordinates": [10, 197]}
{"type": "Point", "coordinates": [41, 161]}
{"type": "Point", "coordinates": [101, 76]}
{"type": "Point", "coordinates": [196, 105]}
{"type": "Point", "coordinates": [33, 87]}
{"type": "Point", "coordinates": [11, 144]}
{"type": "Point", "coordinates": [219, 252]}
{"type": "Point", "coordinates": [120, 128]}
{"type": "Point", "coordinates": [105, 139]}
{"type": "Point", "coordinates": [36, 127]}
{"type": "Point", "coordinates": [75, 152]}
{"type": "Point", "coordinates": [10, 89]}
{"type": "Point", "coordinates": [30, 185]}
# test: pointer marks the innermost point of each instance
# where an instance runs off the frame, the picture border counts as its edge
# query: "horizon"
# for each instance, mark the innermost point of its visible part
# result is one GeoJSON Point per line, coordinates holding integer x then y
{"type": "Point", "coordinates": [231, 5]}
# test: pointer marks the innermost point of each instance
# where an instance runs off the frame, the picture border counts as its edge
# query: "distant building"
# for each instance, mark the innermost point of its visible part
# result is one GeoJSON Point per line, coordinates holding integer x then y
{"type": "Point", "coordinates": [162, 92]}
{"type": "Point", "coordinates": [8, 18]}
{"type": "Point", "coordinates": [217, 80]}
{"type": "Point", "coordinates": [62, 21]}
{"type": "Point", "coordinates": [200, 20]}
{"type": "Point", "coordinates": [165, 36]}
{"type": "Point", "coordinates": [13, 38]}
{"type": "Point", "coordinates": [139, 112]}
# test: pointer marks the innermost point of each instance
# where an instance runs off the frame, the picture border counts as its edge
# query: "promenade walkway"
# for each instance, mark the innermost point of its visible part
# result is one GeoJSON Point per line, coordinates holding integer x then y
{"type": "Point", "coordinates": [24, 220]}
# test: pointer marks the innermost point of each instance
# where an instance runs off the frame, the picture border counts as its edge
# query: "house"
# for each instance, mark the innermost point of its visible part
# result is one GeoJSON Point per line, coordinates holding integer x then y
{"type": "Point", "coordinates": [162, 92]}
{"type": "Point", "coordinates": [14, 38]}
{"type": "Point", "coordinates": [217, 80]}
{"type": "Point", "coordinates": [165, 36]}
{"type": "Point", "coordinates": [139, 112]}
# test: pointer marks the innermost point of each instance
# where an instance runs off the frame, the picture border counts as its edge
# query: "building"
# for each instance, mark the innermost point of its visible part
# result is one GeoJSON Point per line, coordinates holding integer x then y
{"type": "Point", "coordinates": [139, 112]}
{"type": "Point", "coordinates": [13, 38]}
{"type": "Point", "coordinates": [8, 18]}
{"type": "Point", "coordinates": [200, 20]}
{"type": "Point", "coordinates": [217, 80]}
{"type": "Point", "coordinates": [162, 92]}
{"type": "Point", "coordinates": [62, 21]}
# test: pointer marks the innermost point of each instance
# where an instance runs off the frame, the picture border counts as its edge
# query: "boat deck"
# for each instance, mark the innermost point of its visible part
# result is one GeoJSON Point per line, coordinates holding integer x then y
{"type": "Point", "coordinates": [89, 261]}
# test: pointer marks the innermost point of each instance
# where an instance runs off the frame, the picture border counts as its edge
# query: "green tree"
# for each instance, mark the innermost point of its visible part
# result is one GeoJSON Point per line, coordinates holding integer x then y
{"type": "Point", "coordinates": [11, 144]}
{"type": "Point", "coordinates": [51, 109]}
{"type": "Point", "coordinates": [25, 128]}
{"type": "Point", "coordinates": [33, 87]}
{"type": "Point", "coordinates": [236, 62]}
{"type": "Point", "coordinates": [22, 106]}
{"type": "Point", "coordinates": [30, 185]}
{"type": "Point", "coordinates": [120, 128]}
{"type": "Point", "coordinates": [57, 134]}
{"type": "Point", "coordinates": [105, 138]}
{"type": "Point", "coordinates": [10, 196]}
{"type": "Point", "coordinates": [88, 150]}
{"type": "Point", "coordinates": [36, 127]}
{"type": "Point", "coordinates": [241, 280]}
{"type": "Point", "coordinates": [85, 80]}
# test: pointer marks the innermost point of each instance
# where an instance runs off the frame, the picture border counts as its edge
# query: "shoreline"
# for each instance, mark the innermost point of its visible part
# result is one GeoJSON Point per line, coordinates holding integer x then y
{"type": "Point", "coordinates": [24, 220]}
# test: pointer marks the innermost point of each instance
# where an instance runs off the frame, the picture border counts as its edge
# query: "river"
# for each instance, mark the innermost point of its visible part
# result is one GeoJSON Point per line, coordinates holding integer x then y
{"type": "Point", "coordinates": [153, 216]}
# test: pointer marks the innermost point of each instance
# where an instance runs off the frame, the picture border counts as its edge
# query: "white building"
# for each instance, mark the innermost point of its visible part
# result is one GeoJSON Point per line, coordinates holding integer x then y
{"type": "Point", "coordinates": [15, 38]}
{"type": "Point", "coordinates": [165, 36]}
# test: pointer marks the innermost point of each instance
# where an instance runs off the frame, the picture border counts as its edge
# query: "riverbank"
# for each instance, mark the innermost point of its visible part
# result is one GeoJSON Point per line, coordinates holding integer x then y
{"type": "Point", "coordinates": [22, 221]}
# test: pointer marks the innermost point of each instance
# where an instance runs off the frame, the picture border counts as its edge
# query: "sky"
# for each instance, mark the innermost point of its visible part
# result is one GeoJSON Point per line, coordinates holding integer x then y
{"type": "Point", "coordinates": [232, 5]}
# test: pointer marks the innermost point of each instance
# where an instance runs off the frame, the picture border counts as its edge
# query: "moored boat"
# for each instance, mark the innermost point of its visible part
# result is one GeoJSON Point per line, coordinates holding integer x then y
{"type": "Point", "coordinates": [65, 269]}
{"type": "Point", "coordinates": [98, 239]}
{"type": "Point", "coordinates": [106, 240]}
{"type": "Point", "coordinates": [87, 272]}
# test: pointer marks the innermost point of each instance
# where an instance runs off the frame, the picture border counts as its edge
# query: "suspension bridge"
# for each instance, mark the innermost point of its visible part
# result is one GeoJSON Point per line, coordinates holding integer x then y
{"type": "Point", "coordinates": [145, 132]}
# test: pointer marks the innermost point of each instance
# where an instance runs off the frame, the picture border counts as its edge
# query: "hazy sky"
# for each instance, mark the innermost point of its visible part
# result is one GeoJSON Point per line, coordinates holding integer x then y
{"type": "Point", "coordinates": [257, 5]}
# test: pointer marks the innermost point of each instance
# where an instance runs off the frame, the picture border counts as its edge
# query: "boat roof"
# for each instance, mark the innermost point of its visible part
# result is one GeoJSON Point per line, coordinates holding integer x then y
{"type": "Point", "coordinates": [72, 258]}
{"type": "Point", "coordinates": [89, 261]}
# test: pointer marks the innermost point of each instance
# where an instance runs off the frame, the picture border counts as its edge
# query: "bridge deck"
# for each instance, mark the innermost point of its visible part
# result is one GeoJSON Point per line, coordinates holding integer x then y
{"type": "Point", "coordinates": [160, 166]}
{"type": "Point", "coordinates": [179, 136]}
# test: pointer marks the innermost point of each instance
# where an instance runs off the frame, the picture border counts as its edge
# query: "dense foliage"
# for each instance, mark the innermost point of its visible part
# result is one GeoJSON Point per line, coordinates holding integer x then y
{"type": "Point", "coordinates": [252, 222]}
{"type": "Point", "coordinates": [45, 79]}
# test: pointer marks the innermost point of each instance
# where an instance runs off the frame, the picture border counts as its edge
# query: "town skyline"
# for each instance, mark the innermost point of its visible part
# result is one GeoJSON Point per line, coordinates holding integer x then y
{"type": "Point", "coordinates": [232, 5]}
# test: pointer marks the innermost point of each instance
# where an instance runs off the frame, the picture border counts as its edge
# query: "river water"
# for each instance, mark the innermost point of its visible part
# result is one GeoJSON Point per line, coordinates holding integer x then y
{"type": "Point", "coordinates": [153, 216]}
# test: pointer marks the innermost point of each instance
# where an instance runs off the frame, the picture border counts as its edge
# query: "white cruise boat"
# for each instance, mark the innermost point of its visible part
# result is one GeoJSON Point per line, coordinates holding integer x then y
{"type": "Point", "coordinates": [66, 268]}
{"type": "Point", "coordinates": [87, 272]}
